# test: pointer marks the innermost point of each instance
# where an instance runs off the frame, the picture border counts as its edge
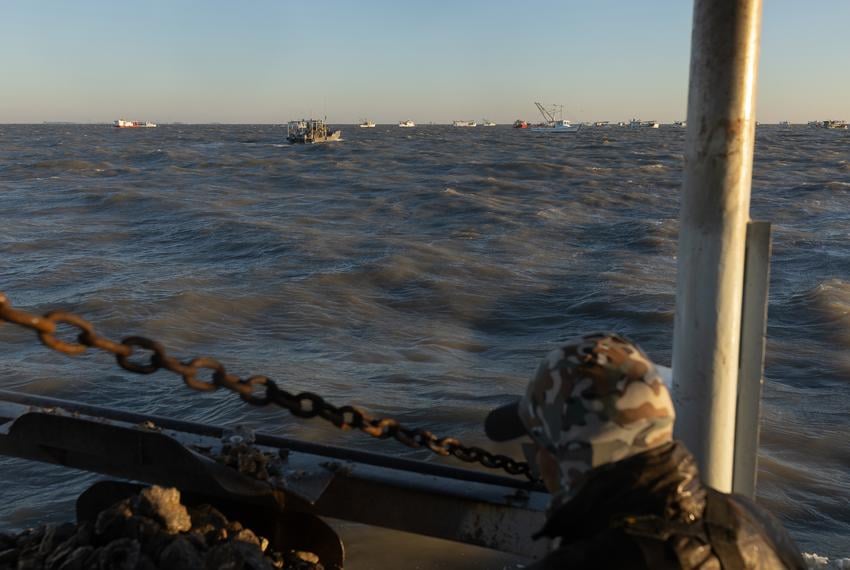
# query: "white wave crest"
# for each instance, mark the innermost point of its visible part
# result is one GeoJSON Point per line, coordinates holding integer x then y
{"type": "Point", "coordinates": [818, 562]}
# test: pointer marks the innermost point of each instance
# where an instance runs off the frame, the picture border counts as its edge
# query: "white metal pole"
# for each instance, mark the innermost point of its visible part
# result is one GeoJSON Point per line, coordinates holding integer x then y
{"type": "Point", "coordinates": [713, 225]}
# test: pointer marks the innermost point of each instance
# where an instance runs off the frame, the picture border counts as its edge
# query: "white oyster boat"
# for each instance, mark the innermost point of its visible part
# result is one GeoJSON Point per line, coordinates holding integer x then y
{"type": "Point", "coordinates": [561, 126]}
{"type": "Point", "coordinates": [464, 124]}
{"type": "Point", "coordinates": [367, 124]}
{"type": "Point", "coordinates": [486, 123]}
{"type": "Point", "coordinates": [406, 124]}
{"type": "Point", "coordinates": [122, 124]}
{"type": "Point", "coordinates": [638, 124]}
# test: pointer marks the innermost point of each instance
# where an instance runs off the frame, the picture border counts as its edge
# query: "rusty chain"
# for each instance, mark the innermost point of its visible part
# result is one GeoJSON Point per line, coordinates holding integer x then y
{"type": "Point", "coordinates": [255, 390]}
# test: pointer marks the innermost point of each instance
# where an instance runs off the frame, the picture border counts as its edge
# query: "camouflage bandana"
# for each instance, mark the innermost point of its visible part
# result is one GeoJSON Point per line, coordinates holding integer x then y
{"type": "Point", "coordinates": [594, 401]}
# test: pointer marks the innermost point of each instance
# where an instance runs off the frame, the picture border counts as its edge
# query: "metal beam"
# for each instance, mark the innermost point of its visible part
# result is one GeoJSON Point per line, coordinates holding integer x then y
{"type": "Point", "coordinates": [457, 505]}
{"type": "Point", "coordinates": [217, 432]}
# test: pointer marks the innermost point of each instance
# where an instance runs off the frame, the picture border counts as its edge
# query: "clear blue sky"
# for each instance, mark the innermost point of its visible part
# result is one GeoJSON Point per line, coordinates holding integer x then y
{"type": "Point", "coordinates": [434, 60]}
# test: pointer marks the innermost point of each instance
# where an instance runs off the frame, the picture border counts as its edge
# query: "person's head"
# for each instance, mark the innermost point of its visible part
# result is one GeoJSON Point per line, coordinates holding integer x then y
{"type": "Point", "coordinates": [596, 400]}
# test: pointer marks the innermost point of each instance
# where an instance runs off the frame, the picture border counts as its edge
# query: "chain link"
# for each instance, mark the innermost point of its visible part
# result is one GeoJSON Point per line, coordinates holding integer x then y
{"type": "Point", "coordinates": [255, 390]}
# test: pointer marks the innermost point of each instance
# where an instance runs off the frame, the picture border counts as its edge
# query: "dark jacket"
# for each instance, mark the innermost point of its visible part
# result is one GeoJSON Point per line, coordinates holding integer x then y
{"type": "Point", "coordinates": [651, 511]}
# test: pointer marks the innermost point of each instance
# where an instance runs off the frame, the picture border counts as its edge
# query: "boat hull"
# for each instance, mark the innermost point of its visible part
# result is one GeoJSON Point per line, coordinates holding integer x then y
{"type": "Point", "coordinates": [303, 139]}
{"type": "Point", "coordinates": [557, 130]}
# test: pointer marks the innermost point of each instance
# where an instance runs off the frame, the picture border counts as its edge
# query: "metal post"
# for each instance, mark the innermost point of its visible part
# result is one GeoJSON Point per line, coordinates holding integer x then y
{"type": "Point", "coordinates": [751, 371]}
{"type": "Point", "coordinates": [713, 224]}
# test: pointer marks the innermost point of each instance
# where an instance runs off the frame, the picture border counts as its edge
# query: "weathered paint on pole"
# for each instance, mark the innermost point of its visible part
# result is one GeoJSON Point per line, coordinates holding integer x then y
{"type": "Point", "coordinates": [751, 368]}
{"type": "Point", "coordinates": [713, 225]}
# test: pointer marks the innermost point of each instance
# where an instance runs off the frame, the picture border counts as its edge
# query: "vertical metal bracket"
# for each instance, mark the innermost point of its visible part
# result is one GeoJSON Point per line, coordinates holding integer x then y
{"type": "Point", "coordinates": [751, 360]}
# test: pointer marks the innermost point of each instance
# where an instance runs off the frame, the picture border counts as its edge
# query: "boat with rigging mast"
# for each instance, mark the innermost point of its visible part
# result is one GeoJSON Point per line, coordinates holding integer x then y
{"type": "Point", "coordinates": [554, 121]}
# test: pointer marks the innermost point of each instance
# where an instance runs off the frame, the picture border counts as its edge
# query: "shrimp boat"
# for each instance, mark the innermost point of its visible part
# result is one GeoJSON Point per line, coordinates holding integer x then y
{"type": "Point", "coordinates": [520, 124]}
{"type": "Point", "coordinates": [122, 124]}
{"type": "Point", "coordinates": [310, 132]}
{"type": "Point", "coordinates": [486, 123]}
{"type": "Point", "coordinates": [553, 125]}
{"type": "Point", "coordinates": [408, 124]}
{"type": "Point", "coordinates": [464, 124]}
{"type": "Point", "coordinates": [367, 124]}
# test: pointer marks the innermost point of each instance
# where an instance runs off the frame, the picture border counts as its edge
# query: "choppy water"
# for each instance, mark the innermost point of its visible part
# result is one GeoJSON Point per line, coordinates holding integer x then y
{"type": "Point", "coordinates": [420, 273]}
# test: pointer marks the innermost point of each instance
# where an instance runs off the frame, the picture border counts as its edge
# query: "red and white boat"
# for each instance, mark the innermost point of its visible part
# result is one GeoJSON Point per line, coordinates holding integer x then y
{"type": "Point", "coordinates": [122, 124]}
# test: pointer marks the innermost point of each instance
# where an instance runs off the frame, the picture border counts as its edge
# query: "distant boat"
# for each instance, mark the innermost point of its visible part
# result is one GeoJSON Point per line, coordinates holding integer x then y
{"type": "Point", "coordinates": [520, 124]}
{"type": "Point", "coordinates": [310, 132]}
{"type": "Point", "coordinates": [681, 124]}
{"type": "Point", "coordinates": [122, 124]}
{"type": "Point", "coordinates": [553, 125]}
{"type": "Point", "coordinates": [406, 124]}
{"type": "Point", "coordinates": [486, 123]}
{"type": "Point", "coordinates": [839, 125]}
{"type": "Point", "coordinates": [562, 126]}
{"type": "Point", "coordinates": [638, 124]}
{"type": "Point", "coordinates": [600, 124]}
{"type": "Point", "coordinates": [464, 124]}
{"type": "Point", "coordinates": [784, 124]}
{"type": "Point", "coordinates": [367, 124]}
